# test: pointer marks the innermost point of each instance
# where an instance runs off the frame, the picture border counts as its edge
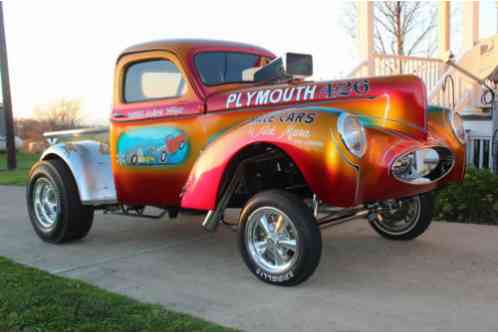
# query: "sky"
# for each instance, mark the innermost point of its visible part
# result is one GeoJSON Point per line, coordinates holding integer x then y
{"type": "Point", "coordinates": [67, 49]}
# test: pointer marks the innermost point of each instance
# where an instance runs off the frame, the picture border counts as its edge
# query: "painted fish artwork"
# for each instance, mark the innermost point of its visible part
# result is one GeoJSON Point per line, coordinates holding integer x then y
{"type": "Point", "coordinates": [157, 146]}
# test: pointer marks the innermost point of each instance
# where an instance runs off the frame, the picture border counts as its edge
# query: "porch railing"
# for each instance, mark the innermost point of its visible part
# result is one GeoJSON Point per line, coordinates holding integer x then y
{"type": "Point", "coordinates": [480, 152]}
{"type": "Point", "coordinates": [455, 90]}
{"type": "Point", "coordinates": [428, 69]}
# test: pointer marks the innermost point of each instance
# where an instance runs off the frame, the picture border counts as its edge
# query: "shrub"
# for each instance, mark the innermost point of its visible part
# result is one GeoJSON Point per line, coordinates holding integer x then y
{"type": "Point", "coordinates": [473, 201]}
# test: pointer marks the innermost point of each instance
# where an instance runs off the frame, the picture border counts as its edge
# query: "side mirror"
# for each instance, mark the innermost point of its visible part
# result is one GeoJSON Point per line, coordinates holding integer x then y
{"type": "Point", "coordinates": [298, 65]}
{"type": "Point", "coordinates": [270, 71]}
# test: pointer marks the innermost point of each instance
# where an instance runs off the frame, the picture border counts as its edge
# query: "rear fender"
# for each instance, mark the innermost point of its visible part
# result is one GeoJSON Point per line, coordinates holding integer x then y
{"type": "Point", "coordinates": [306, 135]}
{"type": "Point", "coordinates": [90, 165]}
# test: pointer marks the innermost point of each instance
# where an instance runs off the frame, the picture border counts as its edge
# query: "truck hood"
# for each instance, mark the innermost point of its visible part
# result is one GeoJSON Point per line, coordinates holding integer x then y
{"type": "Point", "coordinates": [395, 102]}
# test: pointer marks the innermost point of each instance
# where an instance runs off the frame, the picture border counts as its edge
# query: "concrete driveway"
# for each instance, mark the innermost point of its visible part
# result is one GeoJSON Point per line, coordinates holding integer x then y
{"type": "Point", "coordinates": [445, 280]}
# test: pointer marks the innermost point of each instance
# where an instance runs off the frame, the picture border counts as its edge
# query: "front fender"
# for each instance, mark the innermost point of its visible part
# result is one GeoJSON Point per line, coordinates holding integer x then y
{"type": "Point", "coordinates": [306, 135]}
{"type": "Point", "coordinates": [439, 126]}
{"type": "Point", "coordinates": [90, 165]}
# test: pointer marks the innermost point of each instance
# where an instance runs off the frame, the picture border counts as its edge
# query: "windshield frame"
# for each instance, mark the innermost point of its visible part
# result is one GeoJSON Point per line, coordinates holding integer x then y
{"type": "Point", "coordinates": [196, 69]}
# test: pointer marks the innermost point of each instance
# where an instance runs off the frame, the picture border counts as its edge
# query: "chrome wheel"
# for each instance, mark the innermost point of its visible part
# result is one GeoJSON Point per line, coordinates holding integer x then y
{"type": "Point", "coordinates": [272, 240]}
{"type": "Point", "coordinates": [45, 203]}
{"type": "Point", "coordinates": [400, 220]}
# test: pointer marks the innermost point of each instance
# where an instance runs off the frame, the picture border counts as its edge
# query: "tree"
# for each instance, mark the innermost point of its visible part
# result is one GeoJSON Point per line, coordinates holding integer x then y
{"type": "Point", "coordinates": [63, 114]}
{"type": "Point", "coordinates": [31, 129]}
{"type": "Point", "coordinates": [401, 28]}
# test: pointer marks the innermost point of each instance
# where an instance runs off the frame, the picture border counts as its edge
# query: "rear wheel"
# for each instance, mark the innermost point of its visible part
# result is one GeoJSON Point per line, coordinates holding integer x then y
{"type": "Point", "coordinates": [408, 221]}
{"type": "Point", "coordinates": [279, 239]}
{"type": "Point", "coordinates": [54, 205]}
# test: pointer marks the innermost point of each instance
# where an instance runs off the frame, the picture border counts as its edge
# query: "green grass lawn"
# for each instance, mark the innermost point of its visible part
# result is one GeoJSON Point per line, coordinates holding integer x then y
{"type": "Point", "coordinates": [33, 300]}
{"type": "Point", "coordinates": [20, 175]}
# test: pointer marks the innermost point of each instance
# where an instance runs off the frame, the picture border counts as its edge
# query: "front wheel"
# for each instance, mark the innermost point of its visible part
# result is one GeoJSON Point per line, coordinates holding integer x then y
{"type": "Point", "coordinates": [406, 222]}
{"type": "Point", "coordinates": [279, 239]}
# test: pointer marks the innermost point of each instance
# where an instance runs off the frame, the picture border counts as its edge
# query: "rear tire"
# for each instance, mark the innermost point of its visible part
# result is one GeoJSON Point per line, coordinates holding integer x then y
{"type": "Point", "coordinates": [409, 222]}
{"type": "Point", "coordinates": [54, 205]}
{"type": "Point", "coordinates": [279, 238]}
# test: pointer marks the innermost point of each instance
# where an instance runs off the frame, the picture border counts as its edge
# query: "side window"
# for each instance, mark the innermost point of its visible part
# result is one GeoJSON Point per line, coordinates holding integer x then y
{"type": "Point", "coordinates": [153, 79]}
{"type": "Point", "coordinates": [211, 66]}
{"type": "Point", "coordinates": [224, 67]}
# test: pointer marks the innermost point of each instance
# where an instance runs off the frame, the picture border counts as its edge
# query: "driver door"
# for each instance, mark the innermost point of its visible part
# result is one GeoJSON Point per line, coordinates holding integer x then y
{"type": "Point", "coordinates": [154, 133]}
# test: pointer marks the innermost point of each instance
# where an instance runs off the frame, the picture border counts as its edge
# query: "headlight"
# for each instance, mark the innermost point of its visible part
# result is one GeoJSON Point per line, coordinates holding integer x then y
{"type": "Point", "coordinates": [416, 164]}
{"type": "Point", "coordinates": [456, 122]}
{"type": "Point", "coordinates": [352, 134]}
{"type": "Point", "coordinates": [423, 166]}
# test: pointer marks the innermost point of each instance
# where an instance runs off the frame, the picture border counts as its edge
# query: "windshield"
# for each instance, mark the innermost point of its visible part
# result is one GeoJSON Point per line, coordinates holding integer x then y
{"type": "Point", "coordinates": [217, 68]}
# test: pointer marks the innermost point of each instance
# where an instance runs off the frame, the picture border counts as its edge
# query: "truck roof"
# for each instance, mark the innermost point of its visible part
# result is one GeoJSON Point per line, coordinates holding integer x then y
{"type": "Point", "coordinates": [189, 46]}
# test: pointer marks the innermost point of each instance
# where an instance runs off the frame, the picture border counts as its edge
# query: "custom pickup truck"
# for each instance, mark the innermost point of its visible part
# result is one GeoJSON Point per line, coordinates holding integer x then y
{"type": "Point", "coordinates": [199, 126]}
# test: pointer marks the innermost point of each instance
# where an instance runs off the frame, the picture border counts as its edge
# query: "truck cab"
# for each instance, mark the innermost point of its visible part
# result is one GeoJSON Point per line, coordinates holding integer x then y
{"type": "Point", "coordinates": [161, 94]}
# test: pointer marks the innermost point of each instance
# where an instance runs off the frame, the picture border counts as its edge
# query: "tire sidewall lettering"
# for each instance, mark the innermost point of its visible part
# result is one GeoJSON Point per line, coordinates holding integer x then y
{"type": "Point", "coordinates": [275, 277]}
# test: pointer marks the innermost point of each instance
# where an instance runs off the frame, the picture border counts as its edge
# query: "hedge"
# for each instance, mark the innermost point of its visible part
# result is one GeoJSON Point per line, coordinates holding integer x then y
{"type": "Point", "coordinates": [473, 201]}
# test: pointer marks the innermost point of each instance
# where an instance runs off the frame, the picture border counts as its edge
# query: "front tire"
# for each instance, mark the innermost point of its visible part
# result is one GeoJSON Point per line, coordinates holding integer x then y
{"type": "Point", "coordinates": [279, 239]}
{"type": "Point", "coordinates": [407, 222]}
{"type": "Point", "coordinates": [54, 205]}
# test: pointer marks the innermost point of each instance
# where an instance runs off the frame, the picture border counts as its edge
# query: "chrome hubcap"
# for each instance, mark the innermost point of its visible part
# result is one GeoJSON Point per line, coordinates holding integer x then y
{"type": "Point", "coordinates": [45, 203]}
{"type": "Point", "coordinates": [272, 240]}
{"type": "Point", "coordinates": [400, 220]}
